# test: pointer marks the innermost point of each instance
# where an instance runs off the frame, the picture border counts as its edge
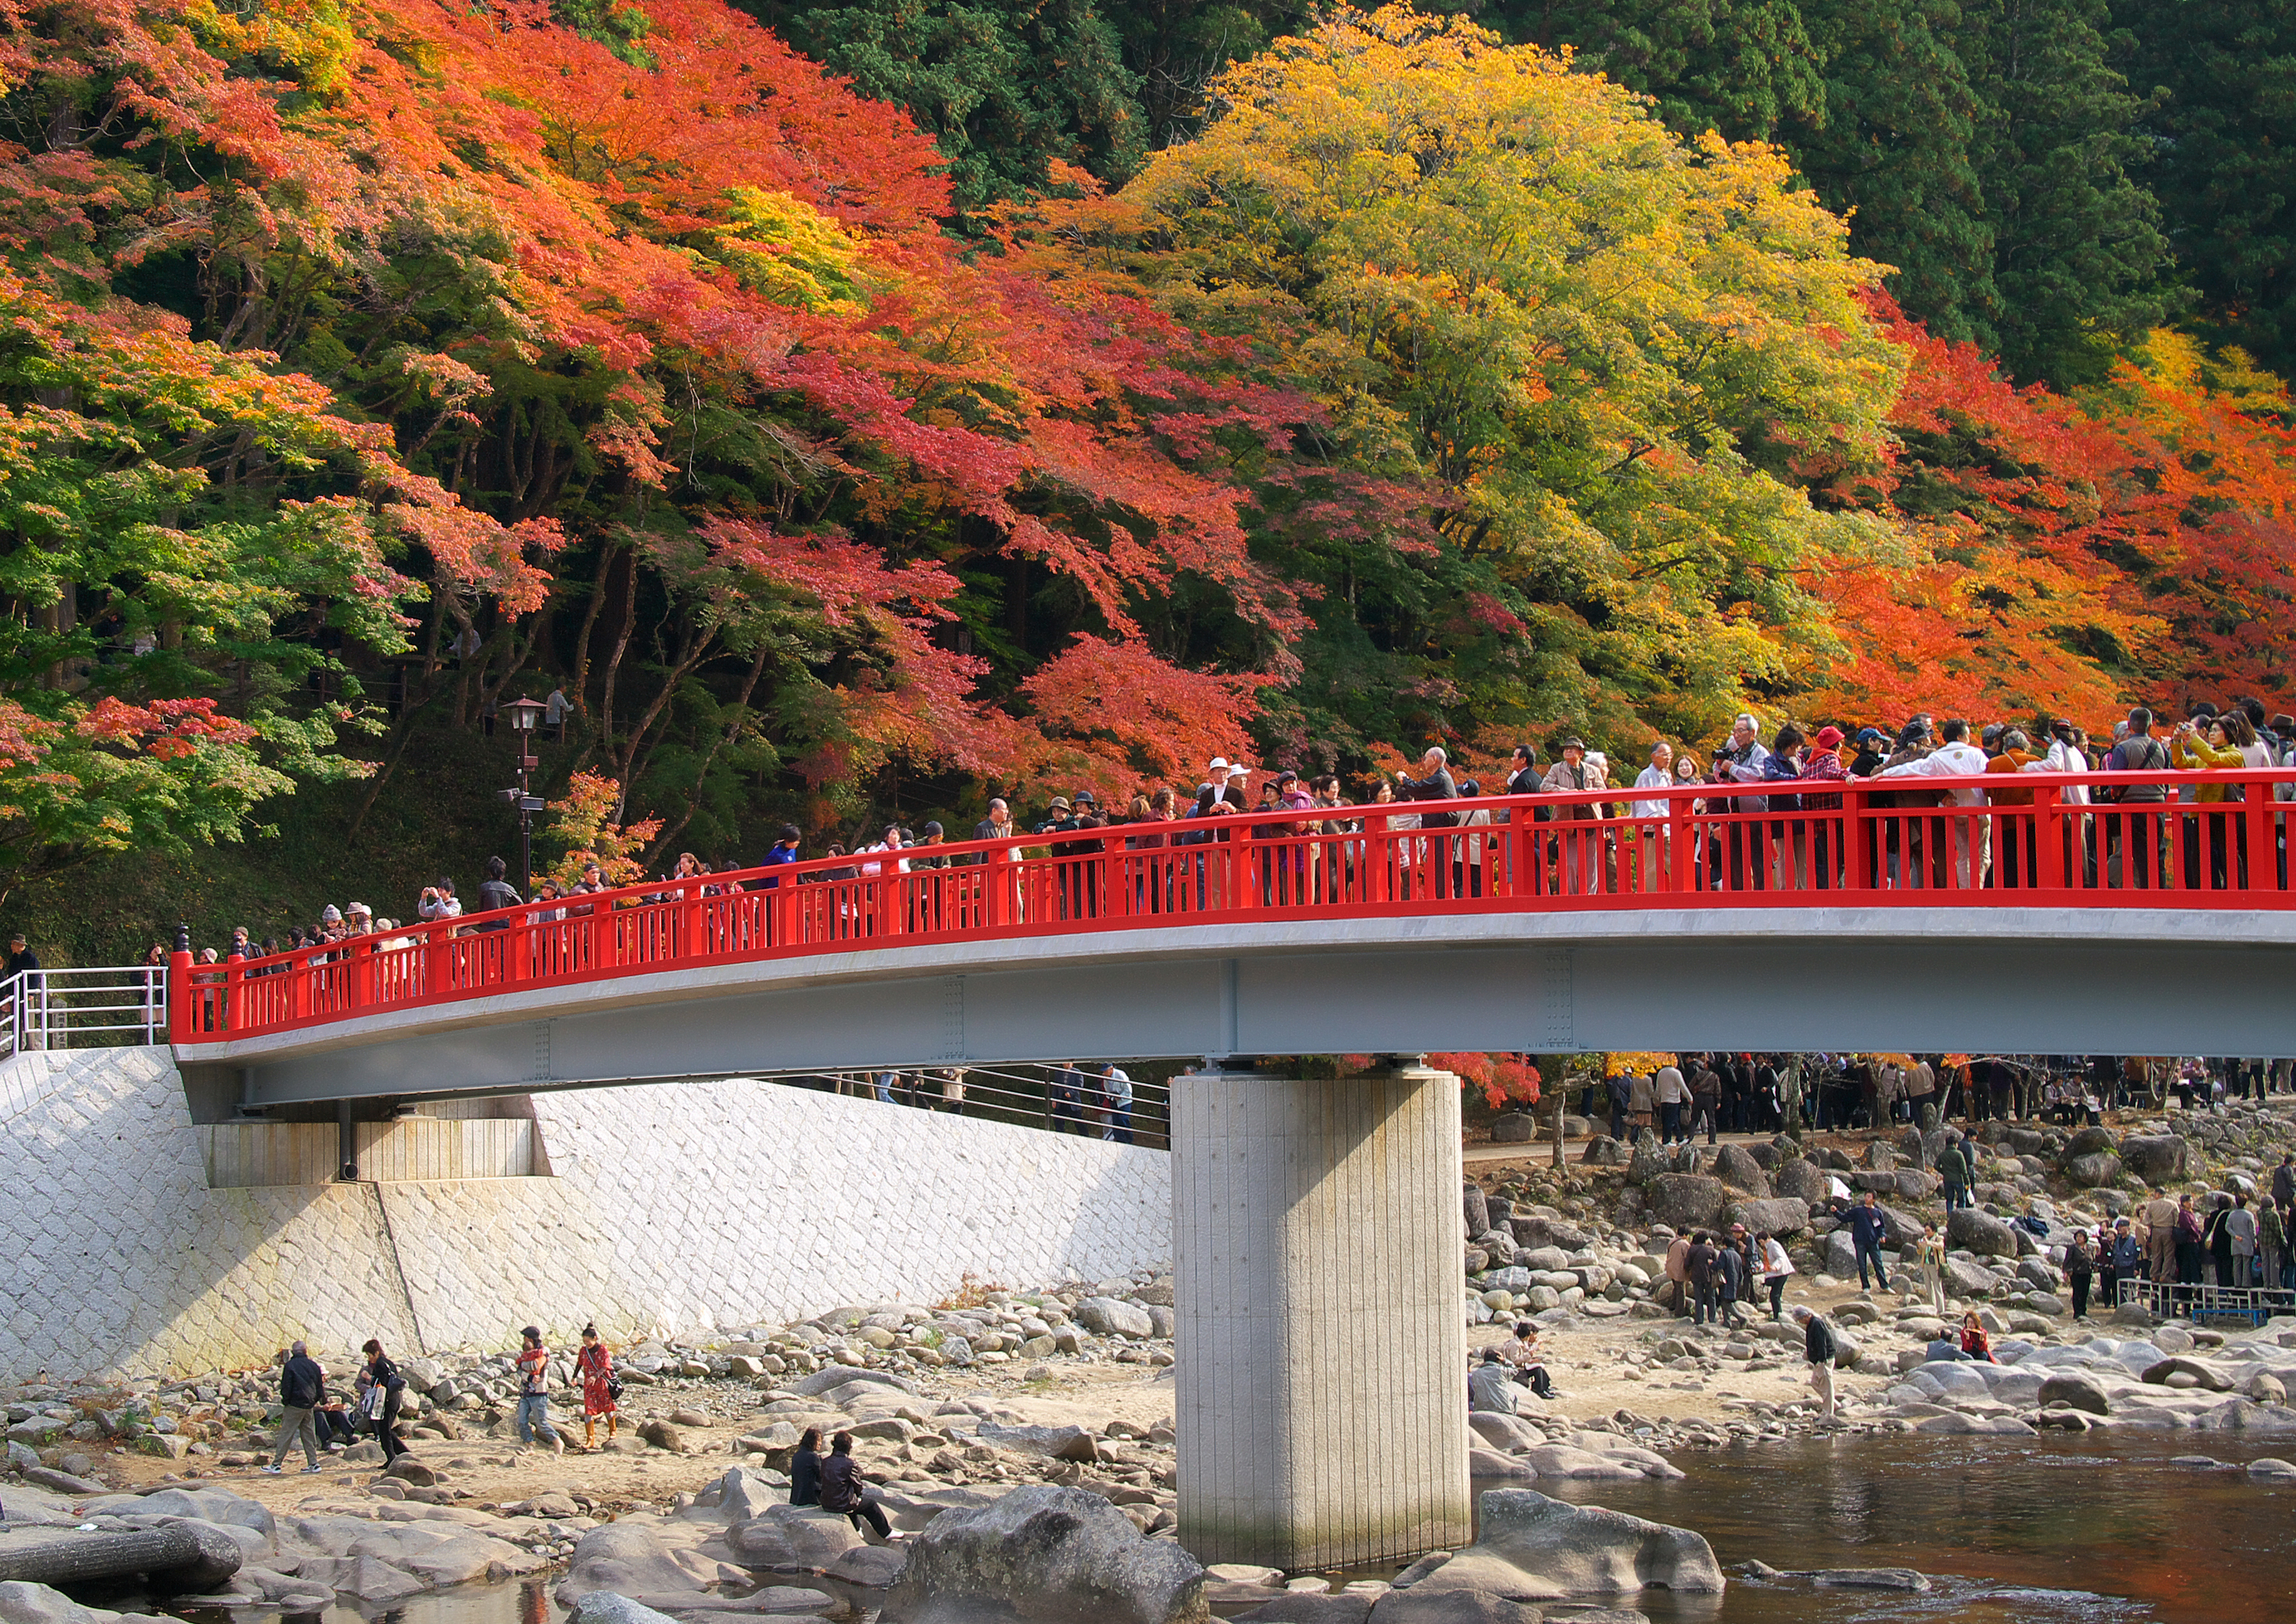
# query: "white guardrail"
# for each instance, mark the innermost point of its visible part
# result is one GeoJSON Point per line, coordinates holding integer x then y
{"type": "Point", "coordinates": [102, 1006]}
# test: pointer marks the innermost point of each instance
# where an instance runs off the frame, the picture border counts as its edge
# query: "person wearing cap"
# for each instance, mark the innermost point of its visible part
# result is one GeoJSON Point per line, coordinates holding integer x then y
{"type": "Point", "coordinates": [1216, 775]}
{"type": "Point", "coordinates": [1826, 847]}
{"type": "Point", "coordinates": [1585, 869]}
{"type": "Point", "coordinates": [534, 1393]}
{"type": "Point", "coordinates": [358, 920]}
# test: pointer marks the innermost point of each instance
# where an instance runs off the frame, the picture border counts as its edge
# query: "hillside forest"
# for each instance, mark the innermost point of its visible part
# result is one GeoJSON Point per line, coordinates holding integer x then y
{"type": "Point", "coordinates": [855, 410]}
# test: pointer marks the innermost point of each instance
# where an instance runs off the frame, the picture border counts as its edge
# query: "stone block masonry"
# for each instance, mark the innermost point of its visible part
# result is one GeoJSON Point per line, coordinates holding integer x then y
{"type": "Point", "coordinates": [675, 1207]}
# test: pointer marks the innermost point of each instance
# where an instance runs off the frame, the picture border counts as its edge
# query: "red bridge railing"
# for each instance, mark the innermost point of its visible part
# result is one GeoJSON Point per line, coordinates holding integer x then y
{"type": "Point", "coordinates": [1797, 844]}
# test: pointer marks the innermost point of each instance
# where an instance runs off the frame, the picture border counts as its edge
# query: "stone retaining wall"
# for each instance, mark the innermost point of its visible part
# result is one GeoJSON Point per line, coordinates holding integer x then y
{"type": "Point", "coordinates": [675, 1207]}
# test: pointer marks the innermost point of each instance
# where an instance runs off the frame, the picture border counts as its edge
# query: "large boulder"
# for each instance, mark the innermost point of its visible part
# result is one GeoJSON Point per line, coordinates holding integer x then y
{"type": "Point", "coordinates": [23, 1603]}
{"type": "Point", "coordinates": [2095, 1171]}
{"type": "Point", "coordinates": [1780, 1215]}
{"type": "Point", "coordinates": [1963, 1278]}
{"type": "Point", "coordinates": [2087, 1141]}
{"type": "Point", "coordinates": [1113, 1316]}
{"type": "Point", "coordinates": [1559, 1233]}
{"type": "Point", "coordinates": [2203, 1374]}
{"type": "Point", "coordinates": [1475, 1209]}
{"type": "Point", "coordinates": [1531, 1548]}
{"type": "Point", "coordinates": [837, 1375]}
{"type": "Point", "coordinates": [2077, 1390]}
{"type": "Point", "coordinates": [1514, 1128]}
{"type": "Point", "coordinates": [1060, 1443]}
{"type": "Point", "coordinates": [1732, 1165]}
{"type": "Point", "coordinates": [1685, 1201]}
{"type": "Point", "coordinates": [1046, 1553]}
{"type": "Point", "coordinates": [2157, 1159]}
{"type": "Point", "coordinates": [628, 1559]}
{"type": "Point", "coordinates": [1800, 1178]}
{"type": "Point", "coordinates": [1970, 1230]}
{"type": "Point", "coordinates": [790, 1539]}
{"type": "Point", "coordinates": [1604, 1151]}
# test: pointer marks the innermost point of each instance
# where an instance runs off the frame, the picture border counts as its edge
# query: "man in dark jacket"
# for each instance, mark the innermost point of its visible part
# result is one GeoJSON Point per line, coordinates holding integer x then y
{"type": "Point", "coordinates": [302, 1389]}
{"type": "Point", "coordinates": [495, 892]}
{"type": "Point", "coordinates": [1433, 783]}
{"type": "Point", "coordinates": [1818, 1348]}
{"type": "Point", "coordinates": [1699, 1266]}
{"type": "Point", "coordinates": [1867, 1229]}
{"type": "Point", "coordinates": [1953, 1167]}
{"type": "Point", "coordinates": [842, 1490]}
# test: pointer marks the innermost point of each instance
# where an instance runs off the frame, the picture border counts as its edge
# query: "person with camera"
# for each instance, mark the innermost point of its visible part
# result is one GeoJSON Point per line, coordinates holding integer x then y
{"type": "Point", "coordinates": [1429, 859]}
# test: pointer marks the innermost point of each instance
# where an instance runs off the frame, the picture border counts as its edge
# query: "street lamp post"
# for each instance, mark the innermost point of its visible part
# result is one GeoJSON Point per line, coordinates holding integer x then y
{"type": "Point", "coordinates": [523, 714]}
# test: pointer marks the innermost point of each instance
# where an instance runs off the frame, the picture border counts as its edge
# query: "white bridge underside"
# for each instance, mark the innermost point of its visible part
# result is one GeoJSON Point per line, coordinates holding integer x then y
{"type": "Point", "coordinates": [2142, 980]}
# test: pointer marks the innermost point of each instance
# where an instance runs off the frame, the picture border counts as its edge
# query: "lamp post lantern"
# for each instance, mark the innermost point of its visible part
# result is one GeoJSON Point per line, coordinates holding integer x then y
{"type": "Point", "coordinates": [524, 714]}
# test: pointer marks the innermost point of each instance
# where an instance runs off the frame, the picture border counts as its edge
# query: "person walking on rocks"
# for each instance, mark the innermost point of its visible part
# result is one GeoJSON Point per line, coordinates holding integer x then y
{"type": "Point", "coordinates": [1732, 1275]}
{"type": "Point", "coordinates": [1931, 1255]}
{"type": "Point", "coordinates": [2271, 1247]}
{"type": "Point", "coordinates": [1701, 1267]}
{"type": "Point", "coordinates": [2079, 1268]}
{"type": "Point", "coordinates": [2124, 1261]}
{"type": "Point", "coordinates": [1776, 1266]}
{"type": "Point", "coordinates": [302, 1390]}
{"type": "Point", "coordinates": [1866, 1229]}
{"type": "Point", "coordinates": [1953, 1167]}
{"type": "Point", "coordinates": [1818, 1349]}
{"type": "Point", "coordinates": [2240, 1224]}
{"type": "Point", "coordinates": [842, 1490]}
{"type": "Point", "coordinates": [534, 1393]}
{"type": "Point", "coordinates": [593, 1367]}
{"type": "Point", "coordinates": [384, 1386]}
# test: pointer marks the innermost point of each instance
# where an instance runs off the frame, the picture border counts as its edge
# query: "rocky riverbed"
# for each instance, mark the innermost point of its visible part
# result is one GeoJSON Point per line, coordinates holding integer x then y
{"type": "Point", "coordinates": [1004, 1407]}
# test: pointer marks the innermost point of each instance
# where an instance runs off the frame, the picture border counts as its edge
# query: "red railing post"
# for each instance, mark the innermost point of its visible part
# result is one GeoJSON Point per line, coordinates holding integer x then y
{"type": "Point", "coordinates": [2258, 861]}
{"type": "Point", "coordinates": [181, 1027]}
{"type": "Point", "coordinates": [1864, 834]}
{"type": "Point", "coordinates": [2048, 847]}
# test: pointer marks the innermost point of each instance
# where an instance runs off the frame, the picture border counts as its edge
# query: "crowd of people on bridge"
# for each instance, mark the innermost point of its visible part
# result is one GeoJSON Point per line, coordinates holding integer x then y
{"type": "Point", "coordinates": [1759, 825]}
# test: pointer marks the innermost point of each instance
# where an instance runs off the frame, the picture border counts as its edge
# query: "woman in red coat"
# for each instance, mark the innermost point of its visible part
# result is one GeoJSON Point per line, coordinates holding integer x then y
{"type": "Point", "coordinates": [595, 1367]}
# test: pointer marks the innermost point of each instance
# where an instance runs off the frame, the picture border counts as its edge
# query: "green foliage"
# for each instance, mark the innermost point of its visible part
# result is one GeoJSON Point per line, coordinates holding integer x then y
{"type": "Point", "coordinates": [1005, 88]}
{"type": "Point", "coordinates": [1745, 68]}
{"type": "Point", "coordinates": [2222, 156]}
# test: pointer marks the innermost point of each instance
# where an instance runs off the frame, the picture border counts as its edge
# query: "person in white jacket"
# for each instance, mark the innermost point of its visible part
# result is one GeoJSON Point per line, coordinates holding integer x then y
{"type": "Point", "coordinates": [1958, 758]}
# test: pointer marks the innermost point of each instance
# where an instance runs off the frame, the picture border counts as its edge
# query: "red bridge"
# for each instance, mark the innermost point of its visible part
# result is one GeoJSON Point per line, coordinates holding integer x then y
{"type": "Point", "coordinates": [1537, 923]}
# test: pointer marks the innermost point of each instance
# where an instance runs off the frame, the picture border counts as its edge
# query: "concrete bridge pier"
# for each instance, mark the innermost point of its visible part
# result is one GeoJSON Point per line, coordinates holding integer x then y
{"type": "Point", "coordinates": [1322, 1378]}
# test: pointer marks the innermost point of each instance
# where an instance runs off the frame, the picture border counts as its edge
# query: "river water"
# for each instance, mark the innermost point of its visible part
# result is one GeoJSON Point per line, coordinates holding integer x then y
{"type": "Point", "coordinates": [2067, 1529]}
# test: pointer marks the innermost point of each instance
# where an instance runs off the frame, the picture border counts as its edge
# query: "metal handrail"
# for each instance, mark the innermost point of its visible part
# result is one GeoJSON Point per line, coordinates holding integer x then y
{"type": "Point", "coordinates": [1034, 1103]}
{"type": "Point", "coordinates": [1868, 843]}
{"type": "Point", "coordinates": [59, 1009]}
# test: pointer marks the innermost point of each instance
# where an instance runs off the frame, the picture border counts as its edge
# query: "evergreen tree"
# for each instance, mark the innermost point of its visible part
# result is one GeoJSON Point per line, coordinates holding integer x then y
{"type": "Point", "coordinates": [1745, 68]}
{"type": "Point", "coordinates": [1894, 152]}
{"type": "Point", "coordinates": [2079, 257]}
{"type": "Point", "coordinates": [1003, 86]}
{"type": "Point", "coordinates": [2223, 155]}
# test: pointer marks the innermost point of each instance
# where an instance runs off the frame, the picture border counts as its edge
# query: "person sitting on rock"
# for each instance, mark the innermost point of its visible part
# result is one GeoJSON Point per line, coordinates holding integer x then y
{"type": "Point", "coordinates": [842, 1490]}
{"type": "Point", "coordinates": [1522, 1351]}
{"type": "Point", "coordinates": [1488, 1387]}
{"type": "Point", "coordinates": [805, 1469]}
{"type": "Point", "coordinates": [1974, 1341]}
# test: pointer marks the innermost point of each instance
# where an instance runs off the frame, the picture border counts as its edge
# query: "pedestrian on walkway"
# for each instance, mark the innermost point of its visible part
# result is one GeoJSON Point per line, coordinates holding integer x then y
{"type": "Point", "coordinates": [302, 1390]}
{"type": "Point", "coordinates": [1867, 1229]}
{"type": "Point", "coordinates": [601, 1391]}
{"type": "Point", "coordinates": [384, 1386]}
{"type": "Point", "coordinates": [534, 1393]}
{"type": "Point", "coordinates": [1115, 1105]}
{"type": "Point", "coordinates": [1818, 1351]}
{"type": "Point", "coordinates": [1673, 1094]}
